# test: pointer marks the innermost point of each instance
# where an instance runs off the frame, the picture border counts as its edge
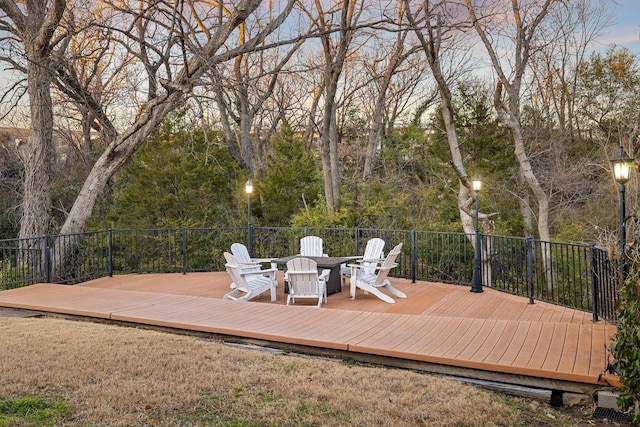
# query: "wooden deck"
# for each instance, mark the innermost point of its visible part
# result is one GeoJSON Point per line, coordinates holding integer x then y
{"type": "Point", "coordinates": [439, 328]}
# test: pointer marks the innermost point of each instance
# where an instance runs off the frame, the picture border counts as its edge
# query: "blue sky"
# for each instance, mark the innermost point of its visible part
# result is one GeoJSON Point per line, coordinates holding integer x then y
{"type": "Point", "coordinates": [626, 30]}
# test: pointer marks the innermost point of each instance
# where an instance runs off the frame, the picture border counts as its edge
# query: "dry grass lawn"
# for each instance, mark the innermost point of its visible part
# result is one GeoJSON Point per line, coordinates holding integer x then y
{"type": "Point", "coordinates": [108, 375]}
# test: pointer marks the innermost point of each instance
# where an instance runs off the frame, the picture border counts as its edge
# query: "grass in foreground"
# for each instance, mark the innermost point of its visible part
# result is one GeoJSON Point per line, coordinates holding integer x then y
{"type": "Point", "coordinates": [88, 374]}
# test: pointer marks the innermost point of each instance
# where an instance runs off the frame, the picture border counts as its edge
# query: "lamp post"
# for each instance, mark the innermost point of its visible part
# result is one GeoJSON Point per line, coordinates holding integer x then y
{"type": "Point", "coordinates": [476, 280]}
{"type": "Point", "coordinates": [622, 163]}
{"type": "Point", "coordinates": [249, 189]}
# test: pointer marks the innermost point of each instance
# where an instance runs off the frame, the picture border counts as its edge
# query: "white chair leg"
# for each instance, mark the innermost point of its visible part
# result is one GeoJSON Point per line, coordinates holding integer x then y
{"type": "Point", "coordinates": [352, 282]}
{"type": "Point", "coordinates": [395, 291]}
{"type": "Point", "coordinates": [375, 291]}
{"type": "Point", "coordinates": [383, 297]}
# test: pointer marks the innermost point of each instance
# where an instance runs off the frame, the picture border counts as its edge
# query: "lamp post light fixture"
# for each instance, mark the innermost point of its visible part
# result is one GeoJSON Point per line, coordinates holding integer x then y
{"type": "Point", "coordinates": [622, 163]}
{"type": "Point", "coordinates": [248, 187]}
{"type": "Point", "coordinates": [476, 280]}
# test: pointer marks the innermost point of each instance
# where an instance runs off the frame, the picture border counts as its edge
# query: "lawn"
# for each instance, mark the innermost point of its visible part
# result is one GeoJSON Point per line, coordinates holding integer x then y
{"type": "Point", "coordinates": [62, 372]}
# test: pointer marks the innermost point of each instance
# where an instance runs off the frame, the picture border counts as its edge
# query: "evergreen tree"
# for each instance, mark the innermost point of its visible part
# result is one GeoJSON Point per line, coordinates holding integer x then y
{"type": "Point", "coordinates": [292, 181]}
{"type": "Point", "coordinates": [178, 180]}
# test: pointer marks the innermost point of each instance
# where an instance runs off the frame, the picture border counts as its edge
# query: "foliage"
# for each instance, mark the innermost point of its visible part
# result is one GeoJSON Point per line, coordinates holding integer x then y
{"type": "Point", "coordinates": [33, 411]}
{"type": "Point", "coordinates": [486, 148]}
{"type": "Point", "coordinates": [610, 85]}
{"type": "Point", "coordinates": [571, 232]}
{"type": "Point", "coordinates": [178, 178]}
{"type": "Point", "coordinates": [292, 180]}
{"type": "Point", "coordinates": [11, 273]}
{"type": "Point", "coordinates": [10, 188]}
{"type": "Point", "coordinates": [9, 220]}
{"type": "Point", "coordinates": [318, 215]}
{"type": "Point", "coordinates": [626, 348]}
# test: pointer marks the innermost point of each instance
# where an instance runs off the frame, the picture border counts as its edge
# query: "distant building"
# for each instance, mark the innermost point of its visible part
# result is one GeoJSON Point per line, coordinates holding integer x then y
{"type": "Point", "coordinates": [63, 141]}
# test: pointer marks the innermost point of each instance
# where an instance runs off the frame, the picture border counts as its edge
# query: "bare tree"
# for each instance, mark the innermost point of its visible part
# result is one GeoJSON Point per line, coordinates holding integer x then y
{"type": "Point", "coordinates": [194, 42]}
{"type": "Point", "coordinates": [553, 109]}
{"type": "Point", "coordinates": [336, 39]}
{"type": "Point", "coordinates": [392, 59]}
{"type": "Point", "coordinates": [510, 72]}
{"type": "Point", "coordinates": [176, 86]}
{"type": "Point", "coordinates": [429, 23]}
{"type": "Point", "coordinates": [244, 91]}
{"type": "Point", "coordinates": [30, 28]}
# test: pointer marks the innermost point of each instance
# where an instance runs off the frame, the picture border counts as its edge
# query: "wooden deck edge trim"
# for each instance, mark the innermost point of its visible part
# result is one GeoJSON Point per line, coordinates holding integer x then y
{"type": "Point", "coordinates": [57, 310]}
{"type": "Point", "coordinates": [516, 370]}
{"type": "Point", "coordinates": [464, 372]}
{"type": "Point", "coordinates": [229, 332]}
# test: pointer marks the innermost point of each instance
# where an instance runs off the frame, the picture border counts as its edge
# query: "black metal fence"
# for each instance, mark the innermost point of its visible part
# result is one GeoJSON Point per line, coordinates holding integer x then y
{"type": "Point", "coordinates": [572, 275]}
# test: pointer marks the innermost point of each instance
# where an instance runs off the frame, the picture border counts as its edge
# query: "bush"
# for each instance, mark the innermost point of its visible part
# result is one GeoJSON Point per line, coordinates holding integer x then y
{"type": "Point", "coordinates": [626, 349]}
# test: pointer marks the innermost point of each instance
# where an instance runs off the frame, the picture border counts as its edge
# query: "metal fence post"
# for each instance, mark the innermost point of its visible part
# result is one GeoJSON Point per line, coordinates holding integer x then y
{"type": "Point", "coordinates": [184, 251]}
{"type": "Point", "coordinates": [47, 263]}
{"type": "Point", "coordinates": [529, 249]}
{"type": "Point", "coordinates": [414, 257]}
{"type": "Point", "coordinates": [110, 251]}
{"type": "Point", "coordinates": [594, 282]}
{"type": "Point", "coordinates": [356, 233]}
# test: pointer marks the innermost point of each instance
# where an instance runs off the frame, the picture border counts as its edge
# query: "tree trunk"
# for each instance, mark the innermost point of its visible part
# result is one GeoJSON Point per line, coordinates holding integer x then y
{"type": "Point", "coordinates": [328, 121]}
{"type": "Point", "coordinates": [36, 152]}
{"type": "Point", "coordinates": [530, 178]}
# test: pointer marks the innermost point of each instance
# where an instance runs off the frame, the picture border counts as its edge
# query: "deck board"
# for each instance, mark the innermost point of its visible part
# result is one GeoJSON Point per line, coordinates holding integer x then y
{"type": "Point", "coordinates": [518, 339]}
{"type": "Point", "coordinates": [438, 323]}
{"type": "Point", "coordinates": [529, 345]}
{"type": "Point", "coordinates": [556, 347]}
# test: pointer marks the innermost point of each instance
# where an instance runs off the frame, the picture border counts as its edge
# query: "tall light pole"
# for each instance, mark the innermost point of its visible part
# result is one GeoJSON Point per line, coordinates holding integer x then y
{"type": "Point", "coordinates": [622, 163]}
{"type": "Point", "coordinates": [249, 189]}
{"type": "Point", "coordinates": [476, 280]}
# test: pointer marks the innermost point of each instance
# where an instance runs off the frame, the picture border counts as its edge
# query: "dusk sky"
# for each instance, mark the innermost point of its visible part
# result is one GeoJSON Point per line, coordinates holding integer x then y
{"type": "Point", "coordinates": [626, 30]}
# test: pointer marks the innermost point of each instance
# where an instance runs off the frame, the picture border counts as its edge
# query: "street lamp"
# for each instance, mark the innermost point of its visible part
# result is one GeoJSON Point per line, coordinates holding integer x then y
{"type": "Point", "coordinates": [622, 163]}
{"type": "Point", "coordinates": [476, 280]}
{"type": "Point", "coordinates": [248, 187]}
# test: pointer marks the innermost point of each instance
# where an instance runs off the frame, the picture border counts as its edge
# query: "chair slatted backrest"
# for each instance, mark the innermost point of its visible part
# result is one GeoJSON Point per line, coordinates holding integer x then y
{"type": "Point", "coordinates": [303, 277]}
{"type": "Point", "coordinates": [232, 267]}
{"type": "Point", "coordinates": [373, 251]}
{"type": "Point", "coordinates": [241, 253]}
{"type": "Point", "coordinates": [388, 263]}
{"type": "Point", "coordinates": [311, 246]}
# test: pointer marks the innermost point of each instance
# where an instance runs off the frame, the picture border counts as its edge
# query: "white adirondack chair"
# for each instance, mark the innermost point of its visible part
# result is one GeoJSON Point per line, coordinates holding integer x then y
{"type": "Point", "coordinates": [311, 246]}
{"type": "Point", "coordinates": [248, 264]}
{"type": "Point", "coordinates": [373, 255]}
{"type": "Point", "coordinates": [249, 285]}
{"type": "Point", "coordinates": [371, 282]}
{"type": "Point", "coordinates": [304, 281]}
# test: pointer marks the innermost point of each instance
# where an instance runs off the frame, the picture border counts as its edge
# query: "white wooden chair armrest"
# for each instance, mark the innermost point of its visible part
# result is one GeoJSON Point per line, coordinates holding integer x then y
{"type": "Point", "coordinates": [301, 272]}
{"type": "Point", "coordinates": [324, 275]}
{"type": "Point", "coordinates": [265, 271]}
{"type": "Point", "coordinates": [261, 260]}
{"type": "Point", "coordinates": [272, 273]}
{"type": "Point", "coordinates": [379, 267]}
{"type": "Point", "coordinates": [249, 264]}
{"type": "Point", "coordinates": [370, 260]}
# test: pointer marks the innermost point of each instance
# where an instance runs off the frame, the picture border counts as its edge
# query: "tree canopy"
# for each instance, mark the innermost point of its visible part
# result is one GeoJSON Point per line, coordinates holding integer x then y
{"type": "Point", "coordinates": [342, 113]}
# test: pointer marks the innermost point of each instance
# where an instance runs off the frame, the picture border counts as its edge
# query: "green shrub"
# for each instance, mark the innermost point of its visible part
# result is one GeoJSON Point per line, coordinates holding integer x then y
{"type": "Point", "coordinates": [626, 348]}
